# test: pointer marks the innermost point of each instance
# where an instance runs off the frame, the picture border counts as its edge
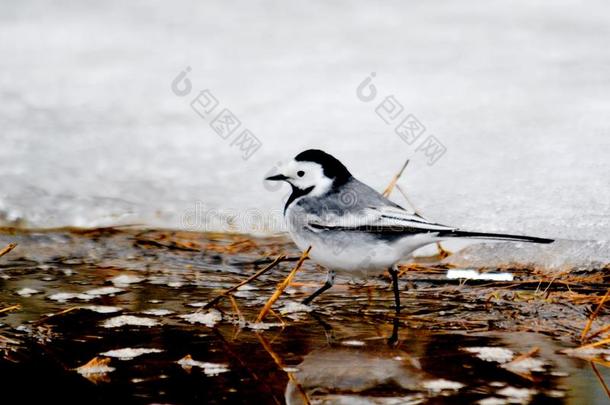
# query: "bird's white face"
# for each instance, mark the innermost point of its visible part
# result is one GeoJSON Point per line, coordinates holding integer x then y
{"type": "Point", "coordinates": [304, 175]}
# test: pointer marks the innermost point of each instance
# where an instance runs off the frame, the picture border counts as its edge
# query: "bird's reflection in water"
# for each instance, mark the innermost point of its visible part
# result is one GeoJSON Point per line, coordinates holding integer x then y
{"type": "Point", "coordinates": [355, 371]}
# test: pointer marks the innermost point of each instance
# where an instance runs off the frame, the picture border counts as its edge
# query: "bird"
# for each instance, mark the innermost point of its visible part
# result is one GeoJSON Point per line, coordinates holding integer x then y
{"type": "Point", "coordinates": [353, 229]}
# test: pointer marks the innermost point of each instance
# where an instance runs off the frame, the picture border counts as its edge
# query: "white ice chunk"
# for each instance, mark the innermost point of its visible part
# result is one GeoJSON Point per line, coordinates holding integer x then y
{"type": "Point", "coordinates": [211, 369]}
{"type": "Point", "coordinates": [129, 353]}
{"type": "Point", "coordinates": [123, 320]}
{"type": "Point", "coordinates": [103, 309]}
{"type": "Point", "coordinates": [209, 319]}
{"type": "Point", "coordinates": [96, 292]}
{"type": "Point", "coordinates": [27, 292]}
{"type": "Point", "coordinates": [492, 354]}
{"type": "Point", "coordinates": [126, 279]}
{"type": "Point", "coordinates": [469, 274]}
{"type": "Point", "coordinates": [441, 384]}
{"type": "Point", "coordinates": [158, 312]}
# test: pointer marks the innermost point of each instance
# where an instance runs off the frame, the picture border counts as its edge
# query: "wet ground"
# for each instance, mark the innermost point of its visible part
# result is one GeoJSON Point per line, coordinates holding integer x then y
{"type": "Point", "coordinates": [117, 315]}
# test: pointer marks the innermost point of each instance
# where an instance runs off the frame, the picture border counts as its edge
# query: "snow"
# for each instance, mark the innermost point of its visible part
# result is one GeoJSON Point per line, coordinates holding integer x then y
{"type": "Point", "coordinates": [521, 109]}
{"type": "Point", "coordinates": [517, 395]}
{"type": "Point", "coordinates": [125, 279]}
{"type": "Point", "coordinates": [97, 292]}
{"type": "Point", "coordinates": [131, 320]}
{"type": "Point", "coordinates": [129, 353]}
{"type": "Point", "coordinates": [525, 366]}
{"type": "Point", "coordinates": [103, 309]}
{"type": "Point", "coordinates": [262, 325]}
{"type": "Point", "coordinates": [211, 369]}
{"type": "Point", "coordinates": [492, 354]}
{"type": "Point", "coordinates": [158, 312]}
{"type": "Point", "coordinates": [441, 384]}
{"type": "Point", "coordinates": [354, 343]}
{"type": "Point", "coordinates": [492, 401]}
{"type": "Point", "coordinates": [562, 254]}
{"type": "Point", "coordinates": [292, 307]}
{"type": "Point", "coordinates": [475, 275]}
{"type": "Point", "coordinates": [65, 296]}
{"type": "Point", "coordinates": [209, 319]}
{"type": "Point", "coordinates": [27, 292]}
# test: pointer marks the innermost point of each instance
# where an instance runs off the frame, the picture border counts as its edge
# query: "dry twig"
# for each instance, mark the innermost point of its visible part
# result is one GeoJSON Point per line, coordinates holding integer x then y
{"type": "Point", "coordinates": [390, 187]}
{"type": "Point", "coordinates": [246, 281]}
{"type": "Point", "coordinates": [7, 249]}
{"type": "Point", "coordinates": [282, 286]}
{"type": "Point", "coordinates": [583, 336]}
{"type": "Point", "coordinates": [11, 308]}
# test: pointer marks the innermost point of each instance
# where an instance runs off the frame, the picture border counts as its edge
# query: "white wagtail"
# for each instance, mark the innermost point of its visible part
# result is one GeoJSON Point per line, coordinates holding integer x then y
{"type": "Point", "coordinates": [353, 228]}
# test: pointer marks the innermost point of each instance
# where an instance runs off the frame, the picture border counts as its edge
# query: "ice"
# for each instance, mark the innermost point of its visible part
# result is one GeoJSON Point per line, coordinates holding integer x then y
{"type": "Point", "coordinates": [96, 292]}
{"type": "Point", "coordinates": [131, 320]}
{"type": "Point", "coordinates": [129, 353]}
{"type": "Point", "coordinates": [65, 296]}
{"type": "Point", "coordinates": [125, 279]}
{"type": "Point", "coordinates": [517, 395]}
{"type": "Point", "coordinates": [262, 325]}
{"type": "Point", "coordinates": [27, 292]}
{"type": "Point", "coordinates": [525, 366]}
{"type": "Point", "coordinates": [492, 401]}
{"type": "Point", "coordinates": [292, 307]}
{"type": "Point", "coordinates": [211, 369]}
{"type": "Point", "coordinates": [209, 319]}
{"type": "Point", "coordinates": [158, 312]}
{"type": "Point", "coordinates": [475, 275]}
{"type": "Point", "coordinates": [103, 309]}
{"type": "Point", "coordinates": [560, 255]}
{"type": "Point", "coordinates": [492, 354]}
{"type": "Point", "coordinates": [353, 343]}
{"type": "Point", "coordinates": [441, 384]}
{"type": "Point", "coordinates": [521, 109]}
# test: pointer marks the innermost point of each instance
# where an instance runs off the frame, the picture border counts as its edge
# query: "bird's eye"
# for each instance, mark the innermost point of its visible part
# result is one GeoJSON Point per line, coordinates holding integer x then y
{"type": "Point", "coordinates": [300, 173]}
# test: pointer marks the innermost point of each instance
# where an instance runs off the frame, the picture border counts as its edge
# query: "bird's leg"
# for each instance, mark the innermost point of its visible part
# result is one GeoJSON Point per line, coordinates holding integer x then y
{"type": "Point", "coordinates": [394, 273]}
{"type": "Point", "coordinates": [393, 339]}
{"type": "Point", "coordinates": [330, 279]}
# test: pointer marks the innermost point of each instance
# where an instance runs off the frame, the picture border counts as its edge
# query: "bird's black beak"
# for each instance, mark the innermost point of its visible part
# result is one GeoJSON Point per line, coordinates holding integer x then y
{"type": "Point", "coordinates": [277, 177]}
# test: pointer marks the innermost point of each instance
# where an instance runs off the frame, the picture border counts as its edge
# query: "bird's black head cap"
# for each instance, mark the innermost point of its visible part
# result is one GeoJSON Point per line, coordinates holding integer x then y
{"type": "Point", "coordinates": [331, 167]}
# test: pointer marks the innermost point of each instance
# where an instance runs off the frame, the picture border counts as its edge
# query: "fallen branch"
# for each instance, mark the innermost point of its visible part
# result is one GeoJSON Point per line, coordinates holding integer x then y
{"type": "Point", "coordinates": [246, 281]}
{"type": "Point", "coordinates": [282, 286]}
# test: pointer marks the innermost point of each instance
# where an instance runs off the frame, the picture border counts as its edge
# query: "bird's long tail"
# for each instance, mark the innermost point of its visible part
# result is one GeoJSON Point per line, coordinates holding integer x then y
{"type": "Point", "coordinates": [493, 236]}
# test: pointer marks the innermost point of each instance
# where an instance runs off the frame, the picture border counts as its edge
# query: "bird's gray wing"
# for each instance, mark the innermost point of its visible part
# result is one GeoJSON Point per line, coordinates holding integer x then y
{"type": "Point", "coordinates": [390, 220]}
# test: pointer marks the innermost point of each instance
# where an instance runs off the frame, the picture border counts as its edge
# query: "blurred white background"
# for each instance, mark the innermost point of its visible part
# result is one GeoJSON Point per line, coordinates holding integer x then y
{"type": "Point", "coordinates": [518, 92]}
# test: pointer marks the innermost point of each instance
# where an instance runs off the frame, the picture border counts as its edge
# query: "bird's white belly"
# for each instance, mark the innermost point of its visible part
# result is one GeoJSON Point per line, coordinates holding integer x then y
{"type": "Point", "coordinates": [359, 255]}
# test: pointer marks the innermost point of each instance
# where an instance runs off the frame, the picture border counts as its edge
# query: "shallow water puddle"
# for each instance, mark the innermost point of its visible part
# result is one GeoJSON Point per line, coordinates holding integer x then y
{"type": "Point", "coordinates": [124, 331]}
